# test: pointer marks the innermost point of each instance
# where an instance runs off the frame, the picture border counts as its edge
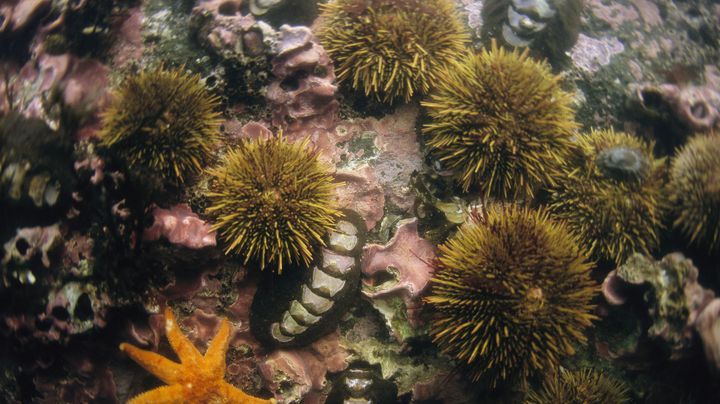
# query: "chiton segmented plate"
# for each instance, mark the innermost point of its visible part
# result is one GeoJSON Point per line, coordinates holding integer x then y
{"type": "Point", "coordinates": [302, 304]}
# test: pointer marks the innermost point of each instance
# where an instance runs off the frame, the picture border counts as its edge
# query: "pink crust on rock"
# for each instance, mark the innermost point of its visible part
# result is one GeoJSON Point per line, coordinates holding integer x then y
{"type": "Point", "coordinates": [696, 106]}
{"type": "Point", "coordinates": [311, 103]}
{"type": "Point", "coordinates": [362, 193]}
{"type": "Point", "coordinates": [83, 82]}
{"type": "Point", "coordinates": [179, 225]}
{"type": "Point", "coordinates": [708, 326]}
{"type": "Point", "coordinates": [407, 257]}
{"type": "Point", "coordinates": [303, 368]}
{"type": "Point", "coordinates": [17, 15]}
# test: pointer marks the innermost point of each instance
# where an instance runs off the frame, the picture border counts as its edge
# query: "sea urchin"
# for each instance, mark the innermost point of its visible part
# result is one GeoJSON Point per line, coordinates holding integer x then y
{"type": "Point", "coordinates": [391, 49]}
{"type": "Point", "coordinates": [586, 386]}
{"type": "Point", "coordinates": [610, 195]}
{"type": "Point", "coordinates": [162, 122]}
{"type": "Point", "coordinates": [511, 294]}
{"type": "Point", "coordinates": [694, 191]}
{"type": "Point", "coordinates": [273, 201]}
{"type": "Point", "coordinates": [501, 122]}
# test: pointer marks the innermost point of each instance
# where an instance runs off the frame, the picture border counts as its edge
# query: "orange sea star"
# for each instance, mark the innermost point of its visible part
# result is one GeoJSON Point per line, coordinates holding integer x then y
{"type": "Point", "coordinates": [197, 378]}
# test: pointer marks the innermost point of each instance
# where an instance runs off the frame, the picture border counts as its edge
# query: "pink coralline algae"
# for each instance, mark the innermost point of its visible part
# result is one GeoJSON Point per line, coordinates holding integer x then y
{"type": "Point", "coordinates": [299, 374]}
{"type": "Point", "coordinates": [590, 54]}
{"type": "Point", "coordinates": [613, 13]}
{"type": "Point", "coordinates": [179, 225]}
{"type": "Point", "coordinates": [83, 84]}
{"type": "Point", "coordinates": [302, 96]}
{"type": "Point", "coordinates": [407, 258]}
{"type": "Point", "coordinates": [361, 192]}
{"type": "Point", "coordinates": [17, 15]}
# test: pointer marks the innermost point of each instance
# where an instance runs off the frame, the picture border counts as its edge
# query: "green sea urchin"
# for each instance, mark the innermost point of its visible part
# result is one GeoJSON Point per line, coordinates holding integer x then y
{"type": "Point", "coordinates": [162, 122]}
{"type": "Point", "coordinates": [512, 295]}
{"type": "Point", "coordinates": [586, 386]}
{"type": "Point", "coordinates": [694, 191]}
{"type": "Point", "coordinates": [391, 49]}
{"type": "Point", "coordinates": [610, 196]}
{"type": "Point", "coordinates": [501, 122]}
{"type": "Point", "coordinates": [273, 202]}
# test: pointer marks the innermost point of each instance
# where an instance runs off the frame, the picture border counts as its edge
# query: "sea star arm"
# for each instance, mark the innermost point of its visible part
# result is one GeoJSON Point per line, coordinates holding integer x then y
{"type": "Point", "coordinates": [165, 369]}
{"type": "Point", "coordinates": [234, 395]}
{"type": "Point", "coordinates": [185, 350]}
{"type": "Point", "coordinates": [215, 355]}
{"type": "Point", "coordinates": [160, 395]}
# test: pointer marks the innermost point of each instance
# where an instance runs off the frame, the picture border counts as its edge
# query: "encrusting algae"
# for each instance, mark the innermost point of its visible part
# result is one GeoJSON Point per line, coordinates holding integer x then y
{"type": "Point", "coordinates": [512, 295]}
{"type": "Point", "coordinates": [197, 378]}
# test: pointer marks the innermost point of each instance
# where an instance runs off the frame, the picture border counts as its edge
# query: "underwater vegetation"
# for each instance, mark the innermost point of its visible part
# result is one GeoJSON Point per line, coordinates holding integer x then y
{"type": "Point", "coordinates": [610, 195]}
{"type": "Point", "coordinates": [583, 386]}
{"type": "Point", "coordinates": [694, 191]}
{"type": "Point", "coordinates": [197, 378]}
{"type": "Point", "coordinates": [512, 295]}
{"type": "Point", "coordinates": [301, 305]}
{"type": "Point", "coordinates": [162, 122]}
{"type": "Point", "coordinates": [272, 200]}
{"type": "Point", "coordinates": [500, 121]}
{"type": "Point", "coordinates": [391, 49]}
{"type": "Point", "coordinates": [547, 27]}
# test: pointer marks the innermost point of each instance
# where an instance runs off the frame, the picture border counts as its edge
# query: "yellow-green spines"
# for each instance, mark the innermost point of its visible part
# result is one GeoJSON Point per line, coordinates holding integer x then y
{"type": "Point", "coordinates": [501, 122]}
{"type": "Point", "coordinates": [511, 295]}
{"type": "Point", "coordinates": [614, 214]}
{"type": "Point", "coordinates": [694, 191]}
{"type": "Point", "coordinates": [391, 49]}
{"type": "Point", "coordinates": [273, 202]}
{"type": "Point", "coordinates": [162, 121]}
{"type": "Point", "coordinates": [586, 386]}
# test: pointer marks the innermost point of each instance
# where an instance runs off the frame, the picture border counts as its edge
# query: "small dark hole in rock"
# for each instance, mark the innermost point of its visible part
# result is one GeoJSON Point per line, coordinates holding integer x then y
{"type": "Point", "coordinates": [228, 8]}
{"type": "Point", "coordinates": [652, 99]}
{"type": "Point", "coordinates": [382, 277]}
{"type": "Point", "coordinates": [60, 313]}
{"type": "Point", "coordinates": [699, 110]}
{"type": "Point", "coordinates": [291, 83]}
{"type": "Point", "coordinates": [22, 246]}
{"type": "Point", "coordinates": [83, 309]}
{"type": "Point", "coordinates": [44, 324]}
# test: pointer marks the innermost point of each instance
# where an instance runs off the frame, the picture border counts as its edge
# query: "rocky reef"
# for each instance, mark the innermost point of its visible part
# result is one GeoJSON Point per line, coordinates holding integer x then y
{"type": "Point", "coordinates": [388, 201]}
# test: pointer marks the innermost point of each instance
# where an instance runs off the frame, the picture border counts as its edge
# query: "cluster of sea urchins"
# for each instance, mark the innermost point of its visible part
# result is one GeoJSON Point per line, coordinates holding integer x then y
{"type": "Point", "coordinates": [162, 122]}
{"type": "Point", "coordinates": [511, 295]}
{"type": "Point", "coordinates": [500, 122]}
{"type": "Point", "coordinates": [610, 195]}
{"type": "Point", "coordinates": [273, 202]}
{"type": "Point", "coordinates": [694, 191]}
{"type": "Point", "coordinates": [391, 49]}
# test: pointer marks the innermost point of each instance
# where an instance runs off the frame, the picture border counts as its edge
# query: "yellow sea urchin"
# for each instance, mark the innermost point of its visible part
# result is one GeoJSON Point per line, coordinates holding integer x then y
{"type": "Point", "coordinates": [391, 49]}
{"type": "Point", "coordinates": [162, 122]}
{"type": "Point", "coordinates": [610, 195]}
{"type": "Point", "coordinates": [694, 191]}
{"type": "Point", "coordinates": [511, 295]}
{"type": "Point", "coordinates": [273, 201]}
{"type": "Point", "coordinates": [500, 120]}
{"type": "Point", "coordinates": [586, 386]}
